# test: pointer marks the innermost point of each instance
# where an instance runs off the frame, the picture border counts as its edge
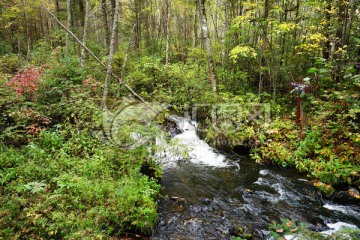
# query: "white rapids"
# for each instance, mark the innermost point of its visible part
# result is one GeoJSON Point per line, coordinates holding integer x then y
{"type": "Point", "coordinates": [198, 151]}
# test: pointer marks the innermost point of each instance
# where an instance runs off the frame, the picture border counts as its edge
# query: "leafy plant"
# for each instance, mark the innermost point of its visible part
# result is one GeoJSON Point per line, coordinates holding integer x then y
{"type": "Point", "coordinates": [286, 227]}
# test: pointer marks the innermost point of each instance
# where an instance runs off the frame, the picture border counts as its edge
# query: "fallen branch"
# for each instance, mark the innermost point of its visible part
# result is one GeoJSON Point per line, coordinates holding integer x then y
{"type": "Point", "coordinates": [94, 56]}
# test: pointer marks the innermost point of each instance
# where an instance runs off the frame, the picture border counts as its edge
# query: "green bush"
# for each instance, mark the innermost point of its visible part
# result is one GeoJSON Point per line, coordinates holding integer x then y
{"type": "Point", "coordinates": [68, 185]}
{"type": "Point", "coordinates": [9, 63]}
{"type": "Point", "coordinates": [4, 48]}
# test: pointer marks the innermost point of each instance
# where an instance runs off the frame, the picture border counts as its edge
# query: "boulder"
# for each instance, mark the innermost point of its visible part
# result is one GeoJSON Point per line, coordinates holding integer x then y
{"type": "Point", "coordinates": [352, 196]}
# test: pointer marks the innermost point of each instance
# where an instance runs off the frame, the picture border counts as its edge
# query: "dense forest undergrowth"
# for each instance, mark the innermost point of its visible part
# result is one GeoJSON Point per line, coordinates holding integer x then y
{"type": "Point", "coordinates": [231, 61]}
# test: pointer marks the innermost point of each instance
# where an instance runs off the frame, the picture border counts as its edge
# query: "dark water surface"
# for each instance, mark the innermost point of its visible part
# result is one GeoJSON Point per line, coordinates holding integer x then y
{"type": "Point", "coordinates": [206, 199]}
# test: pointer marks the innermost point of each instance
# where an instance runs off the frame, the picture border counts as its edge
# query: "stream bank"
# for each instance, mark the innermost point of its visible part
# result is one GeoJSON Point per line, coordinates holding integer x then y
{"type": "Point", "coordinates": [212, 196]}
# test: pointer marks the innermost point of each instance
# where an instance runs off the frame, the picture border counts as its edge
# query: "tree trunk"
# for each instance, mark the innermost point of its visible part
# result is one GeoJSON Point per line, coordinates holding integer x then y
{"type": "Point", "coordinates": [106, 23]}
{"type": "Point", "coordinates": [19, 50]}
{"type": "Point", "coordinates": [223, 35]}
{"type": "Point", "coordinates": [116, 38]}
{"type": "Point", "coordinates": [81, 19]}
{"type": "Point", "coordinates": [207, 44]}
{"type": "Point", "coordinates": [68, 10]}
{"type": "Point", "coordinates": [138, 23]}
{"type": "Point", "coordinates": [327, 48]}
{"type": "Point", "coordinates": [111, 53]}
{"type": "Point", "coordinates": [196, 26]}
{"type": "Point", "coordinates": [349, 21]}
{"type": "Point", "coordinates": [167, 31]}
{"type": "Point", "coordinates": [57, 9]}
{"type": "Point", "coordinates": [86, 23]}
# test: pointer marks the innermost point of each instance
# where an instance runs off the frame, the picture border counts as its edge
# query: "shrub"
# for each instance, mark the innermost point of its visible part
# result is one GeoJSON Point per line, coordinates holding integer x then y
{"type": "Point", "coordinates": [9, 63]}
{"type": "Point", "coordinates": [68, 185]}
{"type": "Point", "coordinates": [26, 83]}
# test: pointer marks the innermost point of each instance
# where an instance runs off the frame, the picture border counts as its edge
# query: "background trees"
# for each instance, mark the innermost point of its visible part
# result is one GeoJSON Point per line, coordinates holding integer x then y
{"type": "Point", "coordinates": [270, 42]}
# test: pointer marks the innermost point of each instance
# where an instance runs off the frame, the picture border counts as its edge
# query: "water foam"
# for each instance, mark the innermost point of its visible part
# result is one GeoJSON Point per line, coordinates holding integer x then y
{"type": "Point", "coordinates": [200, 151]}
{"type": "Point", "coordinates": [347, 210]}
{"type": "Point", "coordinates": [335, 227]}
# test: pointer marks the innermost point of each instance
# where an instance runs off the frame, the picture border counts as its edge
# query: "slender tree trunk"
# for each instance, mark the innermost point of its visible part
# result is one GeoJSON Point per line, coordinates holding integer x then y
{"type": "Point", "coordinates": [223, 32]}
{"type": "Point", "coordinates": [28, 50]}
{"type": "Point", "coordinates": [138, 23]}
{"type": "Point", "coordinates": [106, 23]}
{"type": "Point", "coordinates": [350, 15]}
{"type": "Point", "coordinates": [326, 50]}
{"type": "Point", "coordinates": [207, 43]}
{"type": "Point", "coordinates": [68, 10]}
{"type": "Point", "coordinates": [56, 6]}
{"type": "Point", "coordinates": [84, 39]}
{"type": "Point", "coordinates": [19, 50]}
{"type": "Point", "coordinates": [111, 53]}
{"type": "Point", "coordinates": [167, 31]}
{"type": "Point", "coordinates": [81, 19]}
{"type": "Point", "coordinates": [196, 26]}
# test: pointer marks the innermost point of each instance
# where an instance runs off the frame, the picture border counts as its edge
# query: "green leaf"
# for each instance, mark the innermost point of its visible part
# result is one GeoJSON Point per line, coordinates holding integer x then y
{"type": "Point", "coordinates": [312, 70]}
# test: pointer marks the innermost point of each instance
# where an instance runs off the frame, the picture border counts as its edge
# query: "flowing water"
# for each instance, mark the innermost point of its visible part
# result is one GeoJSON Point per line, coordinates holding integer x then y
{"type": "Point", "coordinates": [210, 194]}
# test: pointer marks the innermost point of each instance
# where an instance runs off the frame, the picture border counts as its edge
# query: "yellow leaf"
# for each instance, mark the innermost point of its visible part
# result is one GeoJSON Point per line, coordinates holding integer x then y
{"type": "Point", "coordinates": [289, 223]}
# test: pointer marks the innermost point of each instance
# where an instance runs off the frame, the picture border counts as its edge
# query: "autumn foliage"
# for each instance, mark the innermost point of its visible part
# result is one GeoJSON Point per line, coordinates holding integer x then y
{"type": "Point", "coordinates": [26, 82]}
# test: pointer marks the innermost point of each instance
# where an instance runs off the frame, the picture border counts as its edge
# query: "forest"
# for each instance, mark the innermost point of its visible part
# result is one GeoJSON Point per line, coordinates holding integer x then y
{"type": "Point", "coordinates": [280, 79]}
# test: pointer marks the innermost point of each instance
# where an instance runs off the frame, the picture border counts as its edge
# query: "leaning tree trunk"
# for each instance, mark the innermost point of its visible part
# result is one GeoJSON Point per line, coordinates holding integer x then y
{"type": "Point", "coordinates": [68, 9]}
{"type": "Point", "coordinates": [86, 23]}
{"type": "Point", "coordinates": [111, 53]}
{"type": "Point", "coordinates": [207, 44]}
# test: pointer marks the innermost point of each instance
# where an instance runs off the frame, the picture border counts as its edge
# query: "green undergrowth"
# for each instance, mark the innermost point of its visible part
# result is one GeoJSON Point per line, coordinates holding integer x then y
{"type": "Point", "coordinates": [58, 179]}
{"type": "Point", "coordinates": [329, 150]}
{"type": "Point", "coordinates": [66, 184]}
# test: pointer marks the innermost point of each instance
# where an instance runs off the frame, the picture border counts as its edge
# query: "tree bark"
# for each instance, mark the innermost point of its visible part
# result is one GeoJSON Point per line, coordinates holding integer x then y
{"type": "Point", "coordinates": [196, 26]}
{"type": "Point", "coordinates": [207, 44]}
{"type": "Point", "coordinates": [349, 21]}
{"type": "Point", "coordinates": [57, 9]}
{"type": "Point", "coordinates": [84, 39]}
{"type": "Point", "coordinates": [106, 23]}
{"type": "Point", "coordinates": [137, 8]}
{"type": "Point", "coordinates": [81, 19]}
{"type": "Point", "coordinates": [68, 10]}
{"type": "Point", "coordinates": [111, 54]}
{"type": "Point", "coordinates": [167, 31]}
{"type": "Point", "coordinates": [223, 35]}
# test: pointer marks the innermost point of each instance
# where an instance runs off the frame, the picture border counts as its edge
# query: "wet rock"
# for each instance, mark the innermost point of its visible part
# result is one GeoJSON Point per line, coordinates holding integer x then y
{"type": "Point", "coordinates": [171, 127]}
{"type": "Point", "coordinates": [178, 200]}
{"type": "Point", "coordinates": [242, 232]}
{"type": "Point", "coordinates": [207, 201]}
{"type": "Point", "coordinates": [259, 234]}
{"type": "Point", "coordinates": [318, 227]}
{"type": "Point", "coordinates": [352, 196]}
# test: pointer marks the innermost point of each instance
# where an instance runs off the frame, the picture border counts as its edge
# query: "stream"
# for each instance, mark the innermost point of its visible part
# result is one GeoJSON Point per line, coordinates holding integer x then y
{"type": "Point", "coordinates": [209, 195]}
